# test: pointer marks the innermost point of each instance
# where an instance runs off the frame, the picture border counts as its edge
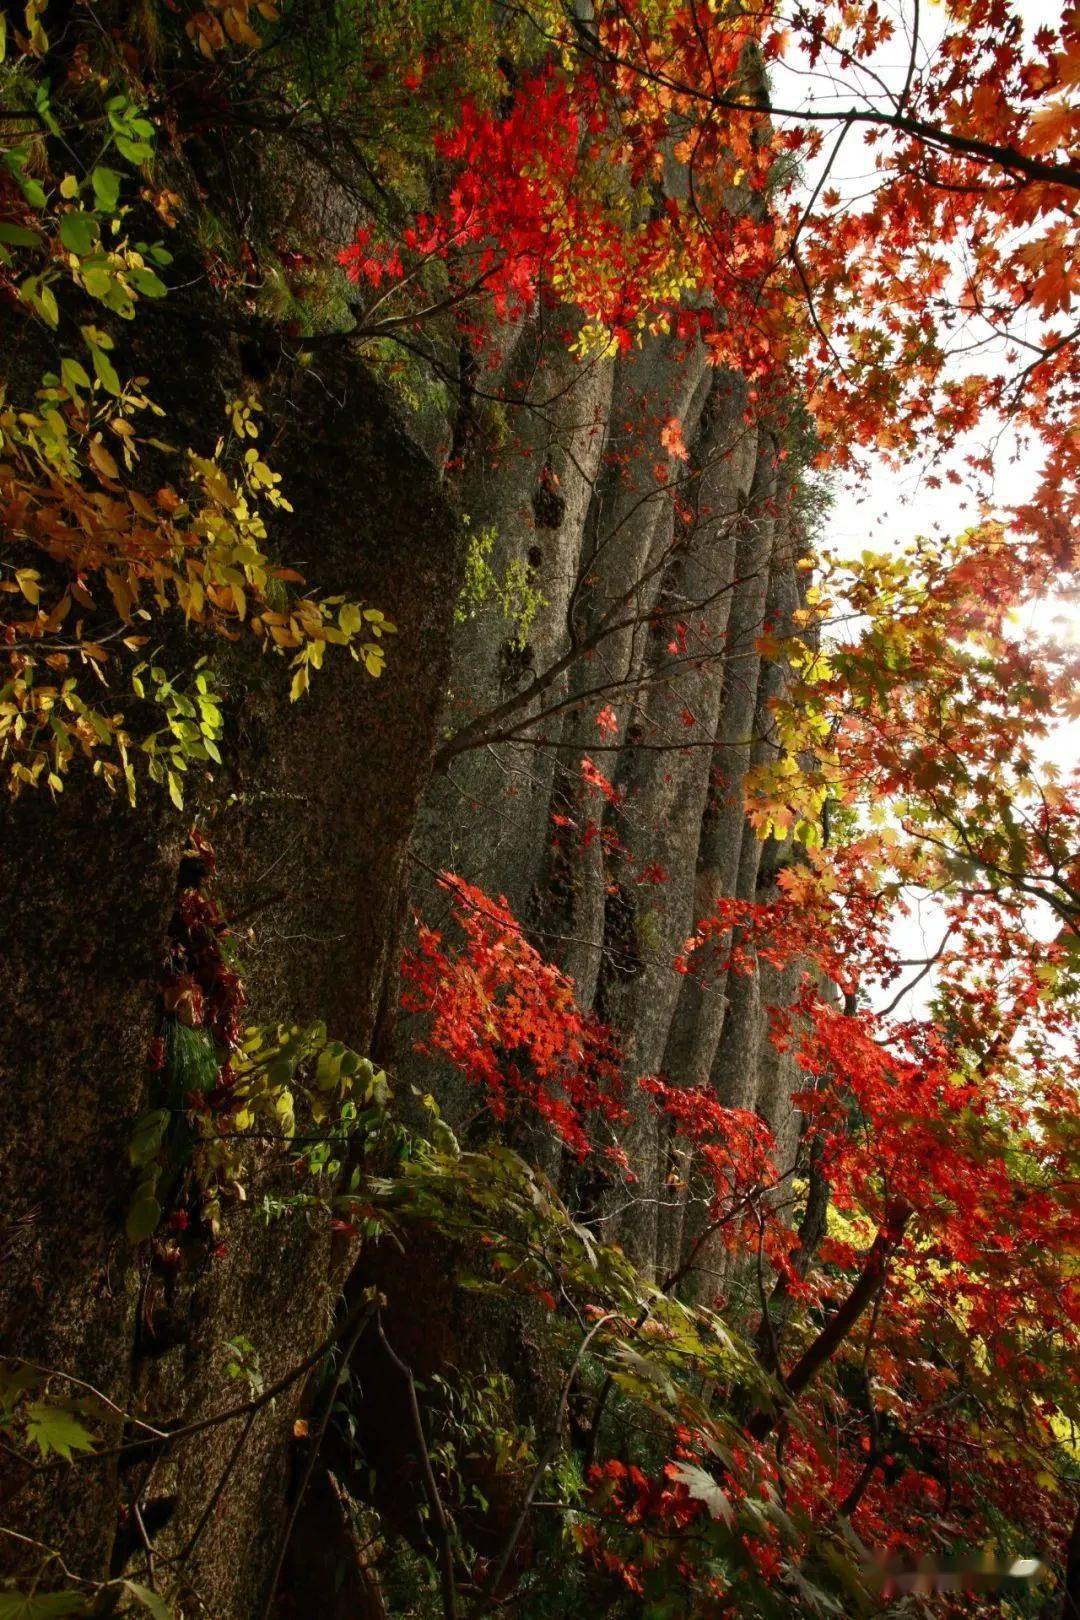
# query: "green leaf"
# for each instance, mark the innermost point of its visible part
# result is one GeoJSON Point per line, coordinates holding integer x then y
{"type": "Point", "coordinates": [149, 1600]}
{"type": "Point", "coordinates": [150, 285]}
{"type": "Point", "coordinates": [49, 307]}
{"type": "Point", "coordinates": [143, 1216]}
{"type": "Point", "coordinates": [97, 280]}
{"type": "Point", "coordinates": [40, 1605]}
{"type": "Point", "coordinates": [73, 375]}
{"type": "Point", "coordinates": [106, 183]}
{"type": "Point", "coordinates": [105, 370]}
{"type": "Point", "coordinates": [78, 232]}
{"type": "Point", "coordinates": [41, 94]}
{"type": "Point", "coordinates": [99, 723]}
{"type": "Point", "coordinates": [280, 1072]}
{"type": "Point", "coordinates": [54, 1428]}
{"type": "Point", "coordinates": [148, 1135]}
{"type": "Point", "coordinates": [36, 292]}
{"type": "Point", "coordinates": [134, 151]}
{"type": "Point", "coordinates": [19, 236]}
{"type": "Point", "coordinates": [32, 189]}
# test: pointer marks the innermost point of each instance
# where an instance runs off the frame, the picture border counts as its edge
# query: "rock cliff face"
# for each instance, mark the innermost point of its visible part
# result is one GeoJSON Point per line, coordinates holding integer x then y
{"type": "Point", "coordinates": [650, 581]}
{"type": "Point", "coordinates": [311, 832]}
{"type": "Point", "coordinates": [574, 589]}
{"type": "Point", "coordinates": [643, 584]}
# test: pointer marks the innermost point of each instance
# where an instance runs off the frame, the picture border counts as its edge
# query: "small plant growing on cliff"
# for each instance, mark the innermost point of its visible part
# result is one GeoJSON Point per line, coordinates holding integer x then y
{"type": "Point", "coordinates": [94, 565]}
{"type": "Point", "coordinates": [217, 1083]}
{"type": "Point", "coordinates": [513, 593]}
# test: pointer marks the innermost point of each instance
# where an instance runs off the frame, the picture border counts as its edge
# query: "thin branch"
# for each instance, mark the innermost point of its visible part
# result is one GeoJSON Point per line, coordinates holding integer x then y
{"type": "Point", "coordinates": [367, 1314]}
{"type": "Point", "coordinates": [545, 1458]}
{"type": "Point", "coordinates": [446, 1547]}
{"type": "Point", "coordinates": [839, 1325]}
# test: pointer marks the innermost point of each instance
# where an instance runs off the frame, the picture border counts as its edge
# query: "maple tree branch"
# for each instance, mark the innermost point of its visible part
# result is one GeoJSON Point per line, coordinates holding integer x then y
{"type": "Point", "coordinates": [1009, 158]}
{"type": "Point", "coordinates": [667, 1287]}
{"type": "Point", "coordinates": [930, 962]}
{"type": "Point", "coordinates": [1016, 387]}
{"type": "Point", "coordinates": [476, 733]}
{"type": "Point", "coordinates": [216, 1494]}
{"type": "Point", "coordinates": [165, 1438]}
{"type": "Point", "coordinates": [858, 1489]}
{"type": "Point", "coordinates": [819, 329]}
{"type": "Point", "coordinates": [767, 1331]}
{"type": "Point", "coordinates": [816, 193]}
{"type": "Point", "coordinates": [897, 1214]}
{"type": "Point", "coordinates": [1071, 1610]}
{"type": "Point", "coordinates": [811, 1231]}
{"type": "Point", "coordinates": [905, 94]}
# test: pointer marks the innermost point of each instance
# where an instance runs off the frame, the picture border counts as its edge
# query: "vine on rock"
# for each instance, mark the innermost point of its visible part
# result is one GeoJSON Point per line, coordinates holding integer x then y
{"type": "Point", "coordinates": [97, 562]}
{"type": "Point", "coordinates": [222, 1085]}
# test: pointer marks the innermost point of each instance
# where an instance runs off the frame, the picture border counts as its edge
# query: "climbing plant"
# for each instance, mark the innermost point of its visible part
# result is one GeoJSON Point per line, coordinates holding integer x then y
{"type": "Point", "coordinates": [112, 536]}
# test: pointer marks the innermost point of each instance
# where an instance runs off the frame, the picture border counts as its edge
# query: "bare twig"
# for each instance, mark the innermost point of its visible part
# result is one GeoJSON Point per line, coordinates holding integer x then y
{"type": "Point", "coordinates": [367, 1313]}
{"type": "Point", "coordinates": [544, 1460]}
{"type": "Point", "coordinates": [446, 1545]}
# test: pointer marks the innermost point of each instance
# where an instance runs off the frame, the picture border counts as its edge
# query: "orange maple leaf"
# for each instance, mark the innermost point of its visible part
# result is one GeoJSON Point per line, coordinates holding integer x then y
{"type": "Point", "coordinates": [672, 440]}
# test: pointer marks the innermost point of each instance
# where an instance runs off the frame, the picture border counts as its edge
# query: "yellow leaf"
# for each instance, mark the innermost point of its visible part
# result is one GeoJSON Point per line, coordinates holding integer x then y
{"type": "Point", "coordinates": [122, 594]}
{"type": "Point", "coordinates": [102, 460]}
{"type": "Point", "coordinates": [27, 579]}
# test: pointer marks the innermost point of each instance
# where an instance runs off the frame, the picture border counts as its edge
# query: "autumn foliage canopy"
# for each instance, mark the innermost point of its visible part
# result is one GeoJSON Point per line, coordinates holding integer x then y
{"type": "Point", "coordinates": [862, 1369]}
